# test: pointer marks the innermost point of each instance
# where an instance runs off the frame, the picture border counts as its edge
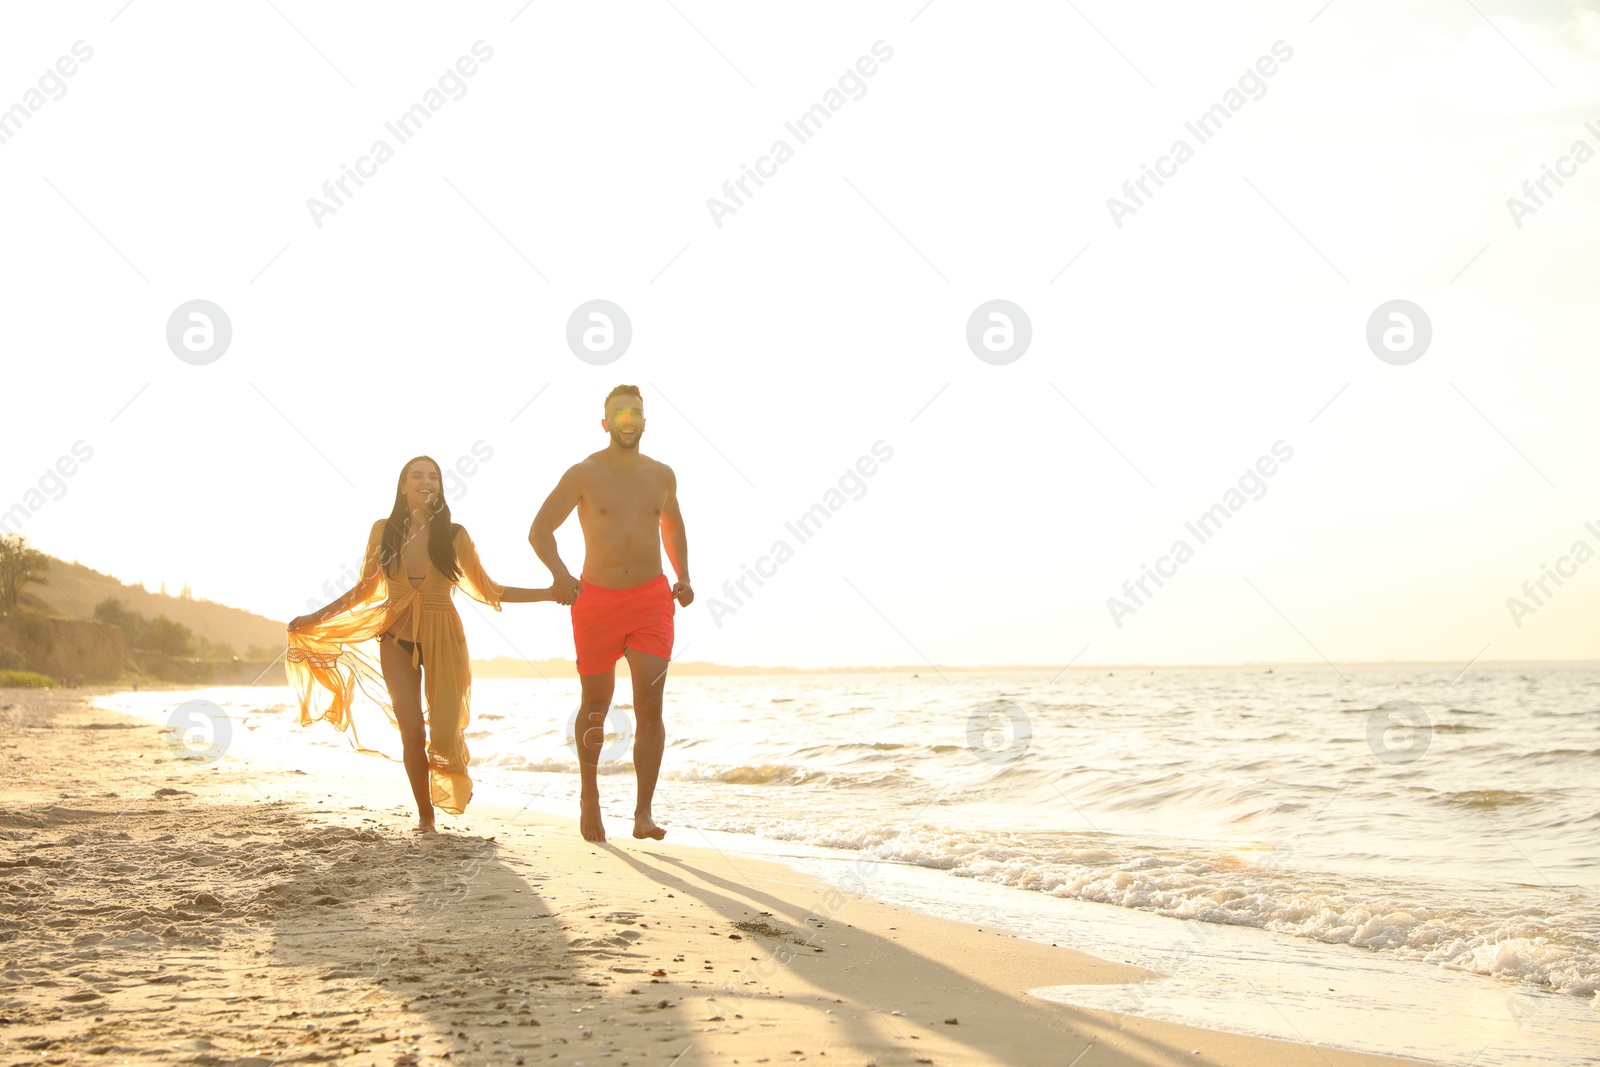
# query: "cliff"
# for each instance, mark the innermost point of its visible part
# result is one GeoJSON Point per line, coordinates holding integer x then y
{"type": "Point", "coordinates": [64, 648]}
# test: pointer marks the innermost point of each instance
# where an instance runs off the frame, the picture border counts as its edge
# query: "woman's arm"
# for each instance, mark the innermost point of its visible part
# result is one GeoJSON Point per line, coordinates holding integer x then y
{"type": "Point", "coordinates": [517, 595]}
{"type": "Point", "coordinates": [328, 610]}
{"type": "Point", "coordinates": [364, 589]}
{"type": "Point", "coordinates": [474, 581]}
{"type": "Point", "coordinates": [480, 586]}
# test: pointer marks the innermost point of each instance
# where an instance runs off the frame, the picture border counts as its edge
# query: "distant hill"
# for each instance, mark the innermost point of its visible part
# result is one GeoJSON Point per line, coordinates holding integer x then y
{"type": "Point", "coordinates": [72, 591]}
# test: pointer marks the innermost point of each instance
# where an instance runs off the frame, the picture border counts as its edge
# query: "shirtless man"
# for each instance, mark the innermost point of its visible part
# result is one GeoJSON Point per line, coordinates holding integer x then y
{"type": "Point", "coordinates": [628, 507]}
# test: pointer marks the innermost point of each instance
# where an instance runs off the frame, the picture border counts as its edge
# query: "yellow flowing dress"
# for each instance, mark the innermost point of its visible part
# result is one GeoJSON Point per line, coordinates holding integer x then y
{"type": "Point", "coordinates": [333, 666]}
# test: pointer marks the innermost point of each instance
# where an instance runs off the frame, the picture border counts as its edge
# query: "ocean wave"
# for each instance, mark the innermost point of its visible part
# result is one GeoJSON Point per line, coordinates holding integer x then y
{"type": "Point", "coordinates": [855, 746]}
{"type": "Point", "coordinates": [514, 761]}
{"type": "Point", "coordinates": [784, 774]}
{"type": "Point", "coordinates": [761, 774]}
{"type": "Point", "coordinates": [1487, 798]}
{"type": "Point", "coordinates": [1554, 947]}
{"type": "Point", "coordinates": [1559, 754]}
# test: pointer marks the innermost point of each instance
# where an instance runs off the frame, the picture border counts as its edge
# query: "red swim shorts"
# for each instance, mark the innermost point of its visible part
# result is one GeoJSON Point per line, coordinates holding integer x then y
{"type": "Point", "coordinates": [607, 621]}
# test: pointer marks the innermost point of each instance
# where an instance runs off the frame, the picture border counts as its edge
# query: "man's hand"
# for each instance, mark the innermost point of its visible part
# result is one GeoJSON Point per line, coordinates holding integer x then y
{"type": "Point", "coordinates": [566, 590]}
{"type": "Point", "coordinates": [684, 592]}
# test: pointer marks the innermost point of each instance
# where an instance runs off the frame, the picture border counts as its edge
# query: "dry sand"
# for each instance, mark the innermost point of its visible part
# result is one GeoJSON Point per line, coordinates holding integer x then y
{"type": "Point", "coordinates": [156, 909]}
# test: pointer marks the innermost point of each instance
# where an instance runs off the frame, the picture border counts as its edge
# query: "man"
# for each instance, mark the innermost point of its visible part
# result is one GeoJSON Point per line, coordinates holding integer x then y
{"type": "Point", "coordinates": [628, 507]}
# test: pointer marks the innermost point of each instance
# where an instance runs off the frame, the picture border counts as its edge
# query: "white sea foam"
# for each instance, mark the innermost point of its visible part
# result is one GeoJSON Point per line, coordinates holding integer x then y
{"type": "Point", "coordinates": [1491, 936]}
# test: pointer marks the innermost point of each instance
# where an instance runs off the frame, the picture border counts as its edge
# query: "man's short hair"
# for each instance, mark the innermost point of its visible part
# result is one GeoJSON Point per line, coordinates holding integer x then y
{"type": "Point", "coordinates": [624, 390]}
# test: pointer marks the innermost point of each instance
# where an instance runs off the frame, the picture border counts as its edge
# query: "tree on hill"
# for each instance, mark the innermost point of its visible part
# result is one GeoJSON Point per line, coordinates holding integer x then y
{"type": "Point", "coordinates": [213, 650]}
{"type": "Point", "coordinates": [19, 565]}
{"type": "Point", "coordinates": [111, 612]}
{"type": "Point", "coordinates": [74, 587]}
{"type": "Point", "coordinates": [169, 638]}
{"type": "Point", "coordinates": [160, 634]}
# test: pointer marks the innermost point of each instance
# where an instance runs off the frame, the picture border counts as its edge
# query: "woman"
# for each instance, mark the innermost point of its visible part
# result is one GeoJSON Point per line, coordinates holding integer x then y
{"type": "Point", "coordinates": [414, 560]}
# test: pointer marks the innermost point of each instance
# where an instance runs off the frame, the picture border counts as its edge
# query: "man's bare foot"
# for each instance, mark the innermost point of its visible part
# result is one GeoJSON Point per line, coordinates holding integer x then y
{"type": "Point", "coordinates": [589, 821]}
{"type": "Point", "coordinates": [644, 826]}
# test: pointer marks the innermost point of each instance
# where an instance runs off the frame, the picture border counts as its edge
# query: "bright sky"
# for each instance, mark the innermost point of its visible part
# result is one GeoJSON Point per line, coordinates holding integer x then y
{"type": "Point", "coordinates": [829, 311]}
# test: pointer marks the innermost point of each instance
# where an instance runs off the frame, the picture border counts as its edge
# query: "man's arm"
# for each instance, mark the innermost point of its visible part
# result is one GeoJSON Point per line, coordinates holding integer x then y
{"type": "Point", "coordinates": [542, 535]}
{"type": "Point", "coordinates": [676, 541]}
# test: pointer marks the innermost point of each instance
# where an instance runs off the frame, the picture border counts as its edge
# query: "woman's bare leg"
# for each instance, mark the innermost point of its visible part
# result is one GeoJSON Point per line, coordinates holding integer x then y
{"type": "Point", "coordinates": [405, 693]}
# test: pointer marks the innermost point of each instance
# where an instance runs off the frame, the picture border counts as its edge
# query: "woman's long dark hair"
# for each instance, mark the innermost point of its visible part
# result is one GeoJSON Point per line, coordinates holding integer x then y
{"type": "Point", "coordinates": [441, 531]}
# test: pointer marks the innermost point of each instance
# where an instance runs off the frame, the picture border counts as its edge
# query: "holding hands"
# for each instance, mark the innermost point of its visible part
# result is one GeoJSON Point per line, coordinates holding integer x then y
{"type": "Point", "coordinates": [565, 590]}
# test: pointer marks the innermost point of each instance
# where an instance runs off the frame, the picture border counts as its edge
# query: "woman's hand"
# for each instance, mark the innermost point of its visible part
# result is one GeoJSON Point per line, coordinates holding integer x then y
{"type": "Point", "coordinates": [302, 620]}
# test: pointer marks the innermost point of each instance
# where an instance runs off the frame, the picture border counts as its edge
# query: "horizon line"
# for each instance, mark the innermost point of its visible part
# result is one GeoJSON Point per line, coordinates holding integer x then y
{"type": "Point", "coordinates": [1031, 667]}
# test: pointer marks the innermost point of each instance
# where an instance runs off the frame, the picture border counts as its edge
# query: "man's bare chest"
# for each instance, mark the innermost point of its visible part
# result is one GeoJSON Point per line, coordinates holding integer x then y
{"type": "Point", "coordinates": [620, 499]}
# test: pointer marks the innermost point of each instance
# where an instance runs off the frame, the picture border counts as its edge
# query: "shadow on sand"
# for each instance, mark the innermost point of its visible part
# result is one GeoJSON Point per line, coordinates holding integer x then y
{"type": "Point", "coordinates": [443, 931]}
{"type": "Point", "coordinates": [988, 1016]}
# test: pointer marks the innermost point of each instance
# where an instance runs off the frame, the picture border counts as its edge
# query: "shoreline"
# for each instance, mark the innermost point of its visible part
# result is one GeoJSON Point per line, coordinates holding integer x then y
{"type": "Point", "coordinates": [221, 913]}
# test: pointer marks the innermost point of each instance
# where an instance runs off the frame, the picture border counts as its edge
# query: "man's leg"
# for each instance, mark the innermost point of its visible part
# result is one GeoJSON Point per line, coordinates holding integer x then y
{"type": "Point", "coordinates": [649, 736]}
{"type": "Point", "coordinates": [590, 733]}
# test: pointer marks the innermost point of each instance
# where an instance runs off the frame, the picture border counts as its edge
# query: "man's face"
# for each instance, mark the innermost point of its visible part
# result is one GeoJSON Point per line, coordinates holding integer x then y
{"type": "Point", "coordinates": [624, 420]}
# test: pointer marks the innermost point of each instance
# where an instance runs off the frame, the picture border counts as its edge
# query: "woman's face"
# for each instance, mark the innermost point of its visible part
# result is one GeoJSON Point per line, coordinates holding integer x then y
{"type": "Point", "coordinates": [421, 486]}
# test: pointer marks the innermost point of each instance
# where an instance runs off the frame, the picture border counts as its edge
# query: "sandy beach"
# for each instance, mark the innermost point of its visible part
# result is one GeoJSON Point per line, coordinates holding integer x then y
{"type": "Point", "coordinates": [163, 909]}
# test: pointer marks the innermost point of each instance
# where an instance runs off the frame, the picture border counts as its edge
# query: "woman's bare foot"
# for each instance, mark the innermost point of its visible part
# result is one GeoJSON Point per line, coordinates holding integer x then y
{"type": "Point", "coordinates": [424, 826]}
{"type": "Point", "coordinates": [644, 826]}
{"type": "Point", "coordinates": [589, 821]}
